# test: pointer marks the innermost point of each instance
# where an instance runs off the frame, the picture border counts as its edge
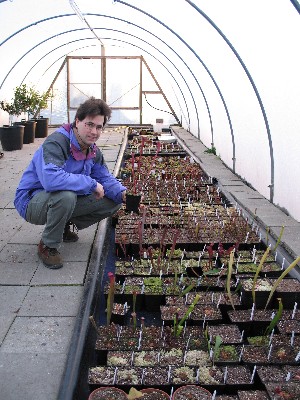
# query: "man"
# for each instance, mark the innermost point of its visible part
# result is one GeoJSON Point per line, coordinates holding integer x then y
{"type": "Point", "coordinates": [67, 182]}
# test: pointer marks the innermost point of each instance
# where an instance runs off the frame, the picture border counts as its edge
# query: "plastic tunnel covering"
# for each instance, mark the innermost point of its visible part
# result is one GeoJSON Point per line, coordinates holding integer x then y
{"type": "Point", "coordinates": [227, 71]}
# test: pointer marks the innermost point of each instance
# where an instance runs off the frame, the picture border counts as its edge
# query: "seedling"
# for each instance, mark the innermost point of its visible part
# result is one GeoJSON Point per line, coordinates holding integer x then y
{"type": "Point", "coordinates": [228, 280]}
{"type": "Point", "coordinates": [178, 326]}
{"type": "Point", "coordinates": [276, 318]}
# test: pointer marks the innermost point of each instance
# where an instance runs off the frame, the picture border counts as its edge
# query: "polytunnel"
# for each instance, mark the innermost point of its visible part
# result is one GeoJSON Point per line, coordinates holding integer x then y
{"type": "Point", "coordinates": [226, 73]}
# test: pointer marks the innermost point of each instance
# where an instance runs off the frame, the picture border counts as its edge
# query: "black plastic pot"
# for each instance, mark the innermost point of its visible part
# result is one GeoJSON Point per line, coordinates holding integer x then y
{"type": "Point", "coordinates": [41, 130]}
{"type": "Point", "coordinates": [12, 137]}
{"type": "Point", "coordinates": [133, 202]}
{"type": "Point", "coordinates": [29, 130]}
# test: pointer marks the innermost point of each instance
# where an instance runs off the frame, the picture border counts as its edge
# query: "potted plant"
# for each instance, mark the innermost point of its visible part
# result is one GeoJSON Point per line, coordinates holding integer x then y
{"type": "Point", "coordinates": [40, 102]}
{"type": "Point", "coordinates": [154, 394]}
{"type": "Point", "coordinates": [191, 392]}
{"type": "Point", "coordinates": [11, 136]}
{"type": "Point", "coordinates": [104, 393]}
{"type": "Point", "coordinates": [25, 99]}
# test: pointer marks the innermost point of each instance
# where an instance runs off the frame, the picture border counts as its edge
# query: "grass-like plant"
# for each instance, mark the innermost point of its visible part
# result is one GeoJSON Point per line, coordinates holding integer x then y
{"type": "Point", "coordinates": [275, 319]}
{"type": "Point", "coordinates": [228, 280]}
{"type": "Point", "coordinates": [178, 326]}
{"type": "Point", "coordinates": [187, 290]}
{"type": "Point", "coordinates": [279, 238]}
{"type": "Point", "coordinates": [110, 297]}
{"type": "Point", "coordinates": [258, 271]}
{"type": "Point", "coordinates": [173, 245]}
{"type": "Point", "coordinates": [134, 294]}
{"type": "Point", "coordinates": [277, 282]}
{"type": "Point", "coordinates": [207, 338]}
{"type": "Point", "coordinates": [218, 342]}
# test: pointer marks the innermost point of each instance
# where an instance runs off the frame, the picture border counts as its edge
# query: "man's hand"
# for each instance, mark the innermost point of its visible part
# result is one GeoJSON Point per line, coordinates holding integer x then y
{"type": "Point", "coordinates": [99, 191]}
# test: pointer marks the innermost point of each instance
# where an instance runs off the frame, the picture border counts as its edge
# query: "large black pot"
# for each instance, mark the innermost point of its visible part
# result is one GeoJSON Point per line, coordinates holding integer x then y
{"type": "Point", "coordinates": [29, 130]}
{"type": "Point", "coordinates": [12, 137]}
{"type": "Point", "coordinates": [41, 130]}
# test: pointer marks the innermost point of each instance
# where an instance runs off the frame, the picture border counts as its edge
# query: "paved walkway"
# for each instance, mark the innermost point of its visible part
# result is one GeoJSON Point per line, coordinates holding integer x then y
{"type": "Point", "coordinates": [39, 307]}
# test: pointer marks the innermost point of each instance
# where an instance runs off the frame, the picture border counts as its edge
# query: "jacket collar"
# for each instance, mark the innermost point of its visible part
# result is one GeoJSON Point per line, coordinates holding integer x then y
{"type": "Point", "coordinates": [75, 149]}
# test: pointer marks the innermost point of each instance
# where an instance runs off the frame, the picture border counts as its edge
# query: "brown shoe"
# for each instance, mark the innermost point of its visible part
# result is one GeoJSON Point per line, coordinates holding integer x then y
{"type": "Point", "coordinates": [50, 256]}
{"type": "Point", "coordinates": [68, 235]}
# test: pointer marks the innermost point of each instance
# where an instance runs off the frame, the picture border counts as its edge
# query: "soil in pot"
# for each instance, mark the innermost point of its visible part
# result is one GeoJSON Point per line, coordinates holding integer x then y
{"type": "Point", "coordinates": [288, 326]}
{"type": "Point", "coordinates": [156, 376]}
{"type": "Point", "coordinates": [263, 287]}
{"type": "Point", "coordinates": [270, 373]}
{"type": "Point", "coordinates": [129, 376]}
{"type": "Point", "coordinates": [289, 292]}
{"type": "Point", "coordinates": [101, 375]}
{"type": "Point", "coordinates": [283, 354]}
{"type": "Point", "coordinates": [206, 312]}
{"type": "Point", "coordinates": [230, 334]}
{"type": "Point", "coordinates": [238, 377]}
{"type": "Point", "coordinates": [227, 354]}
{"type": "Point", "coordinates": [197, 358]}
{"type": "Point", "coordinates": [171, 357]}
{"type": "Point", "coordinates": [108, 393]}
{"type": "Point", "coordinates": [191, 392]}
{"type": "Point", "coordinates": [283, 391]}
{"type": "Point", "coordinates": [183, 375]}
{"type": "Point", "coordinates": [255, 355]}
{"type": "Point", "coordinates": [145, 358]}
{"type": "Point", "coordinates": [154, 394]}
{"type": "Point", "coordinates": [119, 358]}
{"type": "Point", "coordinates": [242, 319]}
{"type": "Point", "coordinates": [211, 376]}
{"type": "Point", "coordinates": [293, 371]}
{"type": "Point", "coordinates": [253, 395]}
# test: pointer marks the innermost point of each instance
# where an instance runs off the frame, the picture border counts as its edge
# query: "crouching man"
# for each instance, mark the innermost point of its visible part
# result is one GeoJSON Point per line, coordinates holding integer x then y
{"type": "Point", "coordinates": [67, 182]}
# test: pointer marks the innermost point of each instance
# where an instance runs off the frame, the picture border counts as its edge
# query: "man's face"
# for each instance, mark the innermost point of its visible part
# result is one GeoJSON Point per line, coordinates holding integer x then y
{"type": "Point", "coordinates": [89, 129]}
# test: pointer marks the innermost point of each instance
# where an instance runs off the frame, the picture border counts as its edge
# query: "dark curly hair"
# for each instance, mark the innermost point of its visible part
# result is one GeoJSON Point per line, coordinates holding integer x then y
{"type": "Point", "coordinates": [93, 107]}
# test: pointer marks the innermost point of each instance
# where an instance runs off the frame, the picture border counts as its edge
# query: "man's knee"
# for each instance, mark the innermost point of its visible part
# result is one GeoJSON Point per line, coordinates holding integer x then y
{"type": "Point", "coordinates": [110, 207]}
{"type": "Point", "coordinates": [66, 198]}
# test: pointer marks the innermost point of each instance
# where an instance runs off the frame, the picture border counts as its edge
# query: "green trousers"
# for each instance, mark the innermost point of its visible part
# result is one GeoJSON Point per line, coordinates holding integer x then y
{"type": "Point", "coordinates": [56, 209]}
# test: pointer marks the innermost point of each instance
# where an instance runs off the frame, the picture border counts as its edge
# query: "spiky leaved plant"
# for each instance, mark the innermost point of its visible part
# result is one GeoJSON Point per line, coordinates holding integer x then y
{"type": "Point", "coordinates": [228, 280]}
{"type": "Point", "coordinates": [277, 282]}
{"type": "Point", "coordinates": [275, 319]}
{"type": "Point", "coordinates": [178, 326]}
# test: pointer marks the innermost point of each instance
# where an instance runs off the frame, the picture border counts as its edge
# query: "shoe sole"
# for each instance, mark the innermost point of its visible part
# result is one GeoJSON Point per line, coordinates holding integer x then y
{"type": "Point", "coordinates": [70, 241]}
{"type": "Point", "coordinates": [50, 266]}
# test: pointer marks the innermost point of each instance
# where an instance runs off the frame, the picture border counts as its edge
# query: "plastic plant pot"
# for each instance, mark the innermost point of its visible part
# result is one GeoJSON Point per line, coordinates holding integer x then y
{"type": "Point", "coordinates": [133, 202]}
{"type": "Point", "coordinates": [192, 392]}
{"type": "Point", "coordinates": [109, 392]}
{"type": "Point", "coordinates": [153, 393]}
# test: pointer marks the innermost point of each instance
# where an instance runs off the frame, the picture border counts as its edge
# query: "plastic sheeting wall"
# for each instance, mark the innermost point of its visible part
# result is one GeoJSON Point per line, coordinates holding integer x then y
{"type": "Point", "coordinates": [229, 68]}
